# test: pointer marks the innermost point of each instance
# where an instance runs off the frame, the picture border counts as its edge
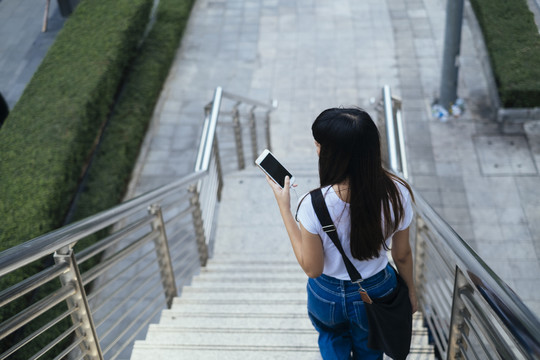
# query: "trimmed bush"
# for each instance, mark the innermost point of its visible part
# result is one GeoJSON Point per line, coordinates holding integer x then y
{"type": "Point", "coordinates": [111, 170]}
{"type": "Point", "coordinates": [513, 44]}
{"type": "Point", "coordinates": [48, 136]}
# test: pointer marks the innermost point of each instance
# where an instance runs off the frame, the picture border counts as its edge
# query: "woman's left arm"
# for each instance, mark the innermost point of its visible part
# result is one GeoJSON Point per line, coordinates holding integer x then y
{"type": "Point", "coordinates": [402, 255]}
{"type": "Point", "coordinates": [307, 247]}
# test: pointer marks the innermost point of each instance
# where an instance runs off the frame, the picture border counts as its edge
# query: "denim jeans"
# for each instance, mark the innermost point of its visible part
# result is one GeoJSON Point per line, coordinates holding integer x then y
{"type": "Point", "coordinates": [338, 314]}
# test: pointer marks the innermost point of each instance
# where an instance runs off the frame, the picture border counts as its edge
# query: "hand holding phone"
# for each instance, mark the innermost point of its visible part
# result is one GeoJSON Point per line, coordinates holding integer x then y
{"type": "Point", "coordinates": [273, 168]}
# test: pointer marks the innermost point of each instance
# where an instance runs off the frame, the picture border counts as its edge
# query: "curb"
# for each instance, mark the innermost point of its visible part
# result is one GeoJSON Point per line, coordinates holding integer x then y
{"type": "Point", "coordinates": [510, 120]}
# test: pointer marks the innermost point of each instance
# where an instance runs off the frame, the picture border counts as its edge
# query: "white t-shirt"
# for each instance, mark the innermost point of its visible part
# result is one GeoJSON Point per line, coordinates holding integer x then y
{"type": "Point", "coordinates": [339, 212]}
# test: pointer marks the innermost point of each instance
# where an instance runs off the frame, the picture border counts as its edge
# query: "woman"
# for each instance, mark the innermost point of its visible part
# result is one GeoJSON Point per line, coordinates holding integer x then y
{"type": "Point", "coordinates": [369, 207]}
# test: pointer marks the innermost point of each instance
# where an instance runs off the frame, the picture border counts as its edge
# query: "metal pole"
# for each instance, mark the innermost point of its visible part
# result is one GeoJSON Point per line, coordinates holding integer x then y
{"type": "Point", "coordinates": [46, 16]}
{"type": "Point", "coordinates": [238, 137]}
{"type": "Point", "coordinates": [198, 225]}
{"type": "Point", "coordinates": [218, 169]}
{"type": "Point", "coordinates": [390, 130]}
{"type": "Point", "coordinates": [419, 254]}
{"type": "Point", "coordinates": [163, 254]}
{"type": "Point", "coordinates": [401, 139]}
{"type": "Point", "coordinates": [253, 130]}
{"type": "Point", "coordinates": [457, 328]}
{"type": "Point", "coordinates": [267, 125]}
{"type": "Point", "coordinates": [452, 42]}
{"type": "Point", "coordinates": [79, 302]}
{"type": "Point", "coordinates": [210, 124]}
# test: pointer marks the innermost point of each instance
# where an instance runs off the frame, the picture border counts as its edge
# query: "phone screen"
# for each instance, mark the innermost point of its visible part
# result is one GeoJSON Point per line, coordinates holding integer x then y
{"type": "Point", "coordinates": [275, 169]}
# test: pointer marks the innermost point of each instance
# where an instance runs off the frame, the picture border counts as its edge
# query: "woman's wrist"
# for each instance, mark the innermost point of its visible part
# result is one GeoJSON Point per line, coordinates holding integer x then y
{"type": "Point", "coordinates": [285, 210]}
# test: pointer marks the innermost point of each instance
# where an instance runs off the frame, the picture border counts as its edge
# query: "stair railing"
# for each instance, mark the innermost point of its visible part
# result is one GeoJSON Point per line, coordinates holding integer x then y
{"type": "Point", "coordinates": [470, 312]}
{"type": "Point", "coordinates": [146, 247]}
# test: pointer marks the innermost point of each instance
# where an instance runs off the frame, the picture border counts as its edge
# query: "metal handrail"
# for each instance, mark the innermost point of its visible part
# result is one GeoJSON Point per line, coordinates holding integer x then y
{"type": "Point", "coordinates": [136, 224]}
{"type": "Point", "coordinates": [495, 298]}
{"type": "Point", "coordinates": [46, 244]}
{"type": "Point", "coordinates": [210, 124]}
{"type": "Point", "coordinates": [209, 127]}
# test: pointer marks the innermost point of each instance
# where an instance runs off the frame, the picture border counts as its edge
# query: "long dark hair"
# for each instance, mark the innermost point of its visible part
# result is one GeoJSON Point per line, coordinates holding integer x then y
{"type": "Point", "coordinates": [350, 150]}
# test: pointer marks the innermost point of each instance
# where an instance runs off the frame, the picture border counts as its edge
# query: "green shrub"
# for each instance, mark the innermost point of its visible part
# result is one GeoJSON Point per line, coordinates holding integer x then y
{"type": "Point", "coordinates": [513, 44]}
{"type": "Point", "coordinates": [120, 143]}
{"type": "Point", "coordinates": [116, 156]}
{"type": "Point", "coordinates": [48, 136]}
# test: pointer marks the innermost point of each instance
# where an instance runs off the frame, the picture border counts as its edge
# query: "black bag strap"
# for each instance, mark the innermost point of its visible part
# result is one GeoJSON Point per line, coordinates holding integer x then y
{"type": "Point", "coordinates": [319, 205]}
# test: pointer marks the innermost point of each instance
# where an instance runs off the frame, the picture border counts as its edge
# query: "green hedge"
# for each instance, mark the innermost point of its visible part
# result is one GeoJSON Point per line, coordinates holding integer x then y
{"type": "Point", "coordinates": [116, 156]}
{"type": "Point", "coordinates": [48, 136]}
{"type": "Point", "coordinates": [110, 171]}
{"type": "Point", "coordinates": [513, 44]}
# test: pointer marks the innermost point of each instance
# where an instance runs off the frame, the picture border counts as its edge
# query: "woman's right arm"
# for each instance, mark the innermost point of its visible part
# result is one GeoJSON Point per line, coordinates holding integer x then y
{"type": "Point", "coordinates": [307, 247]}
{"type": "Point", "coordinates": [402, 255]}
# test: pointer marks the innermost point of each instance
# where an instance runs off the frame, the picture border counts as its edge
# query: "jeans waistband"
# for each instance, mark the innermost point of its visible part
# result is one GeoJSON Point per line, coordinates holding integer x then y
{"type": "Point", "coordinates": [374, 279]}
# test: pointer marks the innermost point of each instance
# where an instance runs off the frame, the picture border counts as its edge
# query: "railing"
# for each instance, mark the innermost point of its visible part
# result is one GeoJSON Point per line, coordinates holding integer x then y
{"type": "Point", "coordinates": [147, 248]}
{"type": "Point", "coordinates": [470, 311]}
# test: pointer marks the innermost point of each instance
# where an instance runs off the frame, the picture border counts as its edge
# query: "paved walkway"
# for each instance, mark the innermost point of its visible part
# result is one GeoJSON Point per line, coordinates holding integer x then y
{"type": "Point", "coordinates": [23, 45]}
{"type": "Point", "coordinates": [311, 55]}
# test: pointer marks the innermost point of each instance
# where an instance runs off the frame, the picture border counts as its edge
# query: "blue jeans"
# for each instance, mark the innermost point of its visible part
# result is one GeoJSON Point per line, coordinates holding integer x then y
{"type": "Point", "coordinates": [338, 314]}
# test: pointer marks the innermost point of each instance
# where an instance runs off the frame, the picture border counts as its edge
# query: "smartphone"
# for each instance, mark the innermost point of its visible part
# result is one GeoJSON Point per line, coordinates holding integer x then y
{"type": "Point", "coordinates": [273, 168]}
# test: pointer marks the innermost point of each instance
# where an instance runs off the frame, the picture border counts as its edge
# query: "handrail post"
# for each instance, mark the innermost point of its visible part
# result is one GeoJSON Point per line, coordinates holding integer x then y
{"type": "Point", "coordinates": [79, 302]}
{"type": "Point", "coordinates": [267, 126]}
{"type": "Point", "coordinates": [198, 225]}
{"type": "Point", "coordinates": [218, 169]}
{"type": "Point", "coordinates": [456, 321]}
{"type": "Point", "coordinates": [163, 254]}
{"type": "Point", "coordinates": [419, 252]}
{"type": "Point", "coordinates": [253, 130]}
{"type": "Point", "coordinates": [238, 137]}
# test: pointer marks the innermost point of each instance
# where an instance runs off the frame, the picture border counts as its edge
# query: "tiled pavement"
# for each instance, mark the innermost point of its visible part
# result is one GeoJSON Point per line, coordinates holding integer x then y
{"type": "Point", "coordinates": [22, 44]}
{"type": "Point", "coordinates": [311, 55]}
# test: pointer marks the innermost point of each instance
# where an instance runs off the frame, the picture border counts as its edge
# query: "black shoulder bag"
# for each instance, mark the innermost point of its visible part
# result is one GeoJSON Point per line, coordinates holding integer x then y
{"type": "Point", "coordinates": [389, 317]}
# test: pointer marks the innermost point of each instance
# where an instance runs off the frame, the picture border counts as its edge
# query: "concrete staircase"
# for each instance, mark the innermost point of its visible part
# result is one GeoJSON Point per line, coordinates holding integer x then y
{"type": "Point", "coordinates": [241, 309]}
{"type": "Point", "coordinates": [250, 300]}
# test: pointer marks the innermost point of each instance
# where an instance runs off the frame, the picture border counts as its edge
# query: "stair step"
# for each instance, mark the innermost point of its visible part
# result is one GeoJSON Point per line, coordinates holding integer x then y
{"type": "Point", "coordinates": [244, 286]}
{"type": "Point", "coordinates": [233, 321]}
{"type": "Point", "coordinates": [158, 334]}
{"type": "Point", "coordinates": [267, 326]}
{"type": "Point", "coordinates": [144, 351]}
{"type": "Point", "coordinates": [240, 308]}
{"type": "Point", "coordinates": [273, 259]}
{"type": "Point", "coordinates": [216, 289]}
{"type": "Point", "coordinates": [270, 307]}
{"type": "Point", "coordinates": [174, 335]}
{"type": "Point", "coordinates": [191, 293]}
{"type": "Point", "coordinates": [251, 276]}
{"type": "Point", "coordinates": [173, 321]}
{"type": "Point", "coordinates": [293, 268]}
{"type": "Point", "coordinates": [224, 315]}
{"type": "Point", "coordinates": [245, 320]}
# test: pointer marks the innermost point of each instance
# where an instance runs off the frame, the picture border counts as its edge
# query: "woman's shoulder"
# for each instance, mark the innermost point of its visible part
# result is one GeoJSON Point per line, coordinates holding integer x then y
{"type": "Point", "coordinates": [305, 200]}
